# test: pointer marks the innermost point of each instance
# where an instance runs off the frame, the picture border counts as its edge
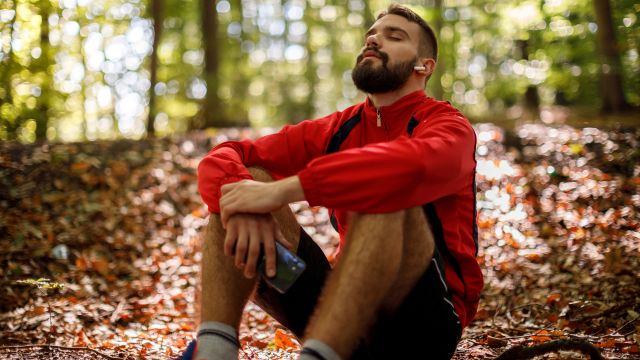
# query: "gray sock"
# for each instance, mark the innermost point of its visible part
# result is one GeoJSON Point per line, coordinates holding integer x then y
{"type": "Point", "coordinates": [217, 341]}
{"type": "Point", "coordinates": [313, 349]}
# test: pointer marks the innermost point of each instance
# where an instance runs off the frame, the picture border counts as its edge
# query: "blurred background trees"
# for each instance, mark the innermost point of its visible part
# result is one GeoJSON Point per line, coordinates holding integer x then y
{"type": "Point", "coordinates": [73, 70]}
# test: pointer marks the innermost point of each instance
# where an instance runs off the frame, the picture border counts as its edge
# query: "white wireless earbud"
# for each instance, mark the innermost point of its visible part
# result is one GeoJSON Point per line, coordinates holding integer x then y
{"type": "Point", "coordinates": [419, 68]}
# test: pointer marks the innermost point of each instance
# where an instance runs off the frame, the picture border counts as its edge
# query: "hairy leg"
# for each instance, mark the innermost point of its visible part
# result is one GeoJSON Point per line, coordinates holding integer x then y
{"type": "Point", "coordinates": [225, 290]}
{"type": "Point", "coordinates": [416, 257]}
{"type": "Point", "coordinates": [384, 257]}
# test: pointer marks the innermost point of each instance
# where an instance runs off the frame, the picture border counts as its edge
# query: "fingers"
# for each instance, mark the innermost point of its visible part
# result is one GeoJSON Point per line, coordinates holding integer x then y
{"type": "Point", "coordinates": [226, 209]}
{"type": "Point", "coordinates": [270, 251]}
{"type": "Point", "coordinates": [228, 187]}
{"type": "Point", "coordinates": [228, 202]}
{"type": "Point", "coordinates": [241, 247]}
{"type": "Point", "coordinates": [248, 197]}
{"type": "Point", "coordinates": [253, 250]}
{"type": "Point", "coordinates": [224, 216]}
{"type": "Point", "coordinates": [230, 240]}
{"type": "Point", "coordinates": [244, 238]}
{"type": "Point", "coordinates": [282, 240]}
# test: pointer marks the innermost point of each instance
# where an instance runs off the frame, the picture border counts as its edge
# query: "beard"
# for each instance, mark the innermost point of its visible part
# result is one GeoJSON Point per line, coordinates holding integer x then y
{"type": "Point", "coordinates": [374, 79]}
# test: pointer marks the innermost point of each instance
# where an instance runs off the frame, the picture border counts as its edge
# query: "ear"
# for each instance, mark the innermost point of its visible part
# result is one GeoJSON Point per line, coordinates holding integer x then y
{"type": "Point", "coordinates": [429, 65]}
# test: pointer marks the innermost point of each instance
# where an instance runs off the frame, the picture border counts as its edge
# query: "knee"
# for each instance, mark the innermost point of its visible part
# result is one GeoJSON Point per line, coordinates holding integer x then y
{"type": "Point", "coordinates": [411, 222]}
{"type": "Point", "coordinates": [260, 174]}
{"type": "Point", "coordinates": [418, 228]}
{"type": "Point", "coordinates": [369, 220]}
{"type": "Point", "coordinates": [415, 216]}
{"type": "Point", "coordinates": [355, 217]}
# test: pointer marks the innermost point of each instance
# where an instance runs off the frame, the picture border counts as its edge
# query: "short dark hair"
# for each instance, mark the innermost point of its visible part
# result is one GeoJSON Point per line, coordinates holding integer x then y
{"type": "Point", "coordinates": [428, 43]}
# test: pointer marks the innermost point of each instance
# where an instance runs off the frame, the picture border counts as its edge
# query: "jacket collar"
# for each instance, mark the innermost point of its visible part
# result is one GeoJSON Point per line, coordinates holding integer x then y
{"type": "Point", "coordinates": [394, 116]}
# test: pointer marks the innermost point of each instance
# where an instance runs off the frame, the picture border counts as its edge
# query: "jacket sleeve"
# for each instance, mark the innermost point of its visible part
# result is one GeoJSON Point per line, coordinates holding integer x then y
{"type": "Point", "coordinates": [437, 161]}
{"type": "Point", "coordinates": [282, 154]}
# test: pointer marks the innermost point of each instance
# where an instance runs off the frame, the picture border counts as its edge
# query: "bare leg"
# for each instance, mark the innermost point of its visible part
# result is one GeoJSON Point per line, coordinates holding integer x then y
{"type": "Point", "coordinates": [225, 290]}
{"type": "Point", "coordinates": [384, 257]}
{"type": "Point", "coordinates": [416, 256]}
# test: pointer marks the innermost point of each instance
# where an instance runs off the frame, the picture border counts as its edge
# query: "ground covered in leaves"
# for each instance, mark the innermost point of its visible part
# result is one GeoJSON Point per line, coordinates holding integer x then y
{"type": "Point", "coordinates": [115, 227]}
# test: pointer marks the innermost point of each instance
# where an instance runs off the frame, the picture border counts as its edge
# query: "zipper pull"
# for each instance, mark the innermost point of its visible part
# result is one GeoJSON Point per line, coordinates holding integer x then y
{"type": "Point", "coordinates": [379, 118]}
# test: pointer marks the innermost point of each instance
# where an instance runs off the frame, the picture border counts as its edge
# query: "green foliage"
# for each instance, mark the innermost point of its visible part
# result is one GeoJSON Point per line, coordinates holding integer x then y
{"type": "Point", "coordinates": [80, 70]}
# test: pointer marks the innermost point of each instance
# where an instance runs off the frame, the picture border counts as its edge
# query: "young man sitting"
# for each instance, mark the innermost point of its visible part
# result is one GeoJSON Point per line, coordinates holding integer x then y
{"type": "Point", "coordinates": [397, 172]}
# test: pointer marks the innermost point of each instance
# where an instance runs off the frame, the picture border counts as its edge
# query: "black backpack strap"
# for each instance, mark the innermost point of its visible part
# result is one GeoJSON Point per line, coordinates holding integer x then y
{"type": "Point", "coordinates": [341, 135]}
{"type": "Point", "coordinates": [334, 146]}
{"type": "Point", "coordinates": [412, 125]}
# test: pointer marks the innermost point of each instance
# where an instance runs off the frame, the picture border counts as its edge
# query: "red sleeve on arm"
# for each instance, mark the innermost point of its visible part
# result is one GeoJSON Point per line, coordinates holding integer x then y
{"type": "Point", "coordinates": [282, 154]}
{"type": "Point", "coordinates": [383, 177]}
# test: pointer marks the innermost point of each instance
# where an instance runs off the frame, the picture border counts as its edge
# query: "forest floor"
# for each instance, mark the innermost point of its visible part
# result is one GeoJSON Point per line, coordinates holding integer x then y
{"type": "Point", "coordinates": [114, 226]}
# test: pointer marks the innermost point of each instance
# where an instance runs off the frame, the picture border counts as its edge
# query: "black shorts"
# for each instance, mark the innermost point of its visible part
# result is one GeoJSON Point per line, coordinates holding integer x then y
{"type": "Point", "coordinates": [425, 326]}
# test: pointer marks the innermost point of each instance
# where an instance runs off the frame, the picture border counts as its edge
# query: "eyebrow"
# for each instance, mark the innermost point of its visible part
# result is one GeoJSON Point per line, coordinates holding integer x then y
{"type": "Point", "coordinates": [388, 29]}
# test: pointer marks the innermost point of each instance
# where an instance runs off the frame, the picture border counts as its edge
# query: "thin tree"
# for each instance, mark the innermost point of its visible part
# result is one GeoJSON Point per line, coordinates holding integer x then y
{"type": "Point", "coordinates": [157, 16]}
{"type": "Point", "coordinates": [13, 123]}
{"type": "Point", "coordinates": [436, 79]}
{"type": "Point", "coordinates": [311, 70]}
{"type": "Point", "coordinates": [211, 114]}
{"type": "Point", "coordinates": [531, 100]}
{"type": "Point", "coordinates": [611, 67]}
{"type": "Point", "coordinates": [239, 79]}
{"type": "Point", "coordinates": [42, 65]}
{"type": "Point", "coordinates": [369, 18]}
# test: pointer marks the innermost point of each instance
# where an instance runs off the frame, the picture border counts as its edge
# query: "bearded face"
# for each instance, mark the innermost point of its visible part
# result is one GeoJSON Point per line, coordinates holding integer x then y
{"type": "Point", "coordinates": [374, 78]}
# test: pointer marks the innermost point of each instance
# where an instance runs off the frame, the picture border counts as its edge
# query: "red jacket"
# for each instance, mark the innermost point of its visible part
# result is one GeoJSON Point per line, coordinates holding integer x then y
{"type": "Point", "coordinates": [422, 154]}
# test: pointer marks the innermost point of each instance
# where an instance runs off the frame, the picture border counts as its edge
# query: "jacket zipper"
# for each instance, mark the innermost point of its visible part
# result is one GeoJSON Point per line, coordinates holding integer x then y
{"type": "Point", "coordinates": [379, 118]}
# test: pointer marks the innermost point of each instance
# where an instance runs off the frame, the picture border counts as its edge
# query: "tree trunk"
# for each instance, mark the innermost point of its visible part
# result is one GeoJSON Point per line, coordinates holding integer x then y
{"type": "Point", "coordinates": [369, 18]}
{"type": "Point", "coordinates": [612, 91]}
{"type": "Point", "coordinates": [81, 15]}
{"type": "Point", "coordinates": [311, 72]}
{"type": "Point", "coordinates": [240, 81]}
{"type": "Point", "coordinates": [42, 65]}
{"type": "Point", "coordinates": [12, 124]}
{"type": "Point", "coordinates": [436, 78]}
{"type": "Point", "coordinates": [531, 101]}
{"type": "Point", "coordinates": [211, 113]}
{"type": "Point", "coordinates": [156, 15]}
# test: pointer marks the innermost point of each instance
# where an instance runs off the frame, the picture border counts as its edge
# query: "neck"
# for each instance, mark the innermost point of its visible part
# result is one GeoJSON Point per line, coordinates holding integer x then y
{"type": "Point", "coordinates": [388, 98]}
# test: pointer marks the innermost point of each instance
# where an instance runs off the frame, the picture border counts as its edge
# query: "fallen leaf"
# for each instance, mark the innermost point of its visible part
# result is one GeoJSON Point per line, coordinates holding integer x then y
{"type": "Point", "coordinates": [283, 341]}
{"type": "Point", "coordinates": [541, 336]}
{"type": "Point", "coordinates": [553, 298]}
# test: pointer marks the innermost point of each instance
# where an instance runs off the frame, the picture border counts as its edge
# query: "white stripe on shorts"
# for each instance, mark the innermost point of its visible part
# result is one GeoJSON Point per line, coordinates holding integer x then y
{"type": "Point", "coordinates": [453, 308]}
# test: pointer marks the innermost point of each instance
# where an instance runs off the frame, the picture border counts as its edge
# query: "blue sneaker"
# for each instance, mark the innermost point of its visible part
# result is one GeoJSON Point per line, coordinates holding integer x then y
{"type": "Point", "coordinates": [189, 352]}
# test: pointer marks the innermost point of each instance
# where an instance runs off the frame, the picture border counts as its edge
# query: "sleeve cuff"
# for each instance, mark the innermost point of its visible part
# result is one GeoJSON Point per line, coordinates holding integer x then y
{"type": "Point", "coordinates": [310, 187]}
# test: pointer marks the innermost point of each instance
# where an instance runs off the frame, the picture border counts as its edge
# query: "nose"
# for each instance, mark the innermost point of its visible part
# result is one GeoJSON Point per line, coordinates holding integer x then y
{"type": "Point", "coordinates": [372, 41]}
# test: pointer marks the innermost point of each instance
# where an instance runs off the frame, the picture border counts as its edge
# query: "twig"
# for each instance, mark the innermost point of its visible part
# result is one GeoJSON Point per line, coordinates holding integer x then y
{"type": "Point", "coordinates": [602, 313]}
{"type": "Point", "coordinates": [571, 336]}
{"type": "Point", "coordinates": [116, 312]}
{"type": "Point", "coordinates": [49, 347]}
{"type": "Point", "coordinates": [529, 352]}
{"type": "Point", "coordinates": [627, 323]}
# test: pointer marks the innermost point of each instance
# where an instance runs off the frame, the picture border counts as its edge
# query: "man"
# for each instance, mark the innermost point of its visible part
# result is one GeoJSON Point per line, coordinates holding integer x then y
{"type": "Point", "coordinates": [397, 173]}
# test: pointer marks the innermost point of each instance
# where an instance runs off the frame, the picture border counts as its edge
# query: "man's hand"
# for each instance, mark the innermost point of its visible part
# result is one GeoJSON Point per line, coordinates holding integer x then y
{"type": "Point", "coordinates": [246, 233]}
{"type": "Point", "coordinates": [248, 196]}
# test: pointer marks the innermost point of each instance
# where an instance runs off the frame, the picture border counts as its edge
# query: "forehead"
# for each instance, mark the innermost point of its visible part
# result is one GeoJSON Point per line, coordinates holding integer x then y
{"type": "Point", "coordinates": [391, 21]}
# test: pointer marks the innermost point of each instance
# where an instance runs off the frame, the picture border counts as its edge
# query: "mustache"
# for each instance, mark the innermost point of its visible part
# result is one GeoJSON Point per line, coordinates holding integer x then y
{"type": "Point", "coordinates": [382, 55]}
